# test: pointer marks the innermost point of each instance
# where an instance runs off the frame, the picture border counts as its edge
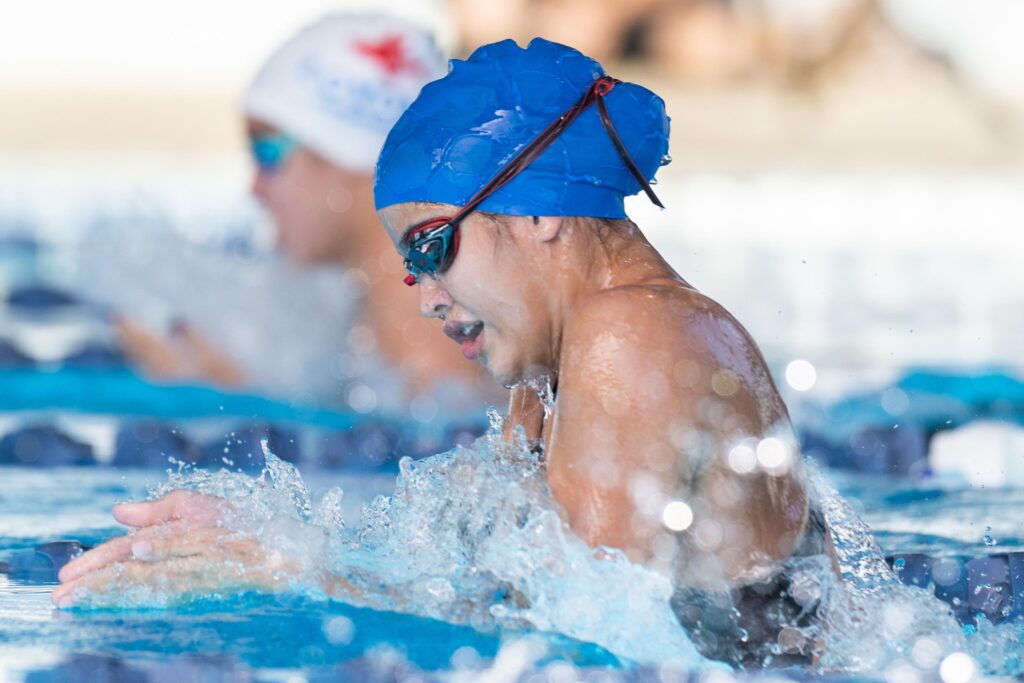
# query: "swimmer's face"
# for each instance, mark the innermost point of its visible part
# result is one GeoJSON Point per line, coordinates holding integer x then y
{"type": "Point", "coordinates": [315, 204]}
{"type": "Point", "coordinates": [491, 299]}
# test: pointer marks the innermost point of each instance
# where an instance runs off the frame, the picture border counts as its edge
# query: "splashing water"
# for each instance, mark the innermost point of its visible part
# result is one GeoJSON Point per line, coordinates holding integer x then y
{"type": "Point", "coordinates": [472, 536]}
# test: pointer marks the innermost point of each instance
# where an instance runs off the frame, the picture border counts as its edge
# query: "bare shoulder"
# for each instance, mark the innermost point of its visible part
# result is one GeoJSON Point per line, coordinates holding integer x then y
{"type": "Point", "coordinates": [661, 316]}
{"type": "Point", "coordinates": [667, 333]}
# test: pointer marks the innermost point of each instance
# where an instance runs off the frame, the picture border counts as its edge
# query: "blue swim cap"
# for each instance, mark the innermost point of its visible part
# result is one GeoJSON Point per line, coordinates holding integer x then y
{"type": "Point", "coordinates": [466, 126]}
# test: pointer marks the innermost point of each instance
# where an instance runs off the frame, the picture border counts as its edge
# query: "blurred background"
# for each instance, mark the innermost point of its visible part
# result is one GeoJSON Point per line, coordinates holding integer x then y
{"type": "Point", "coordinates": [847, 177]}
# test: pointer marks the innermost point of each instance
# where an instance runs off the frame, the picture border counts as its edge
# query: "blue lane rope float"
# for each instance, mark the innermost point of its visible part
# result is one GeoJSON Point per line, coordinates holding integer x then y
{"type": "Point", "coordinates": [991, 586]}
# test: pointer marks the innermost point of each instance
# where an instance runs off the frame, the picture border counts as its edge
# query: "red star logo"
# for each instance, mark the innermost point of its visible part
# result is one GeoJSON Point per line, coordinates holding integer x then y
{"type": "Point", "coordinates": [389, 53]}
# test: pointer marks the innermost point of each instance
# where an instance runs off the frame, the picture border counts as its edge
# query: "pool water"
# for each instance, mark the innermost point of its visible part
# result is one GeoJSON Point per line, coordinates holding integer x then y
{"type": "Point", "coordinates": [253, 634]}
{"type": "Point", "coordinates": [301, 637]}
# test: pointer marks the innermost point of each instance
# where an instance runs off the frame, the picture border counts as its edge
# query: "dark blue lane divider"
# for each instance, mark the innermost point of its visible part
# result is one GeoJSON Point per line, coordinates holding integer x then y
{"type": "Point", "coordinates": [41, 564]}
{"type": "Point", "coordinates": [991, 586]}
{"type": "Point", "coordinates": [40, 298]}
{"type": "Point", "coordinates": [888, 431]}
{"type": "Point", "coordinates": [43, 446]}
{"type": "Point", "coordinates": [198, 426]}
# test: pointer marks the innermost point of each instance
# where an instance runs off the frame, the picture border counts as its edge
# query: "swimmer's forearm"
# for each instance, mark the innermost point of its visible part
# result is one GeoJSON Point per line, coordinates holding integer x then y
{"type": "Point", "coordinates": [525, 409]}
{"type": "Point", "coordinates": [339, 588]}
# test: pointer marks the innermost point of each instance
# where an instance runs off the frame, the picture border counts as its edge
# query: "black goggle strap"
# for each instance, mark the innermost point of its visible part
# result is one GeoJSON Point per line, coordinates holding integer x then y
{"type": "Point", "coordinates": [601, 87]}
{"type": "Point", "coordinates": [609, 128]}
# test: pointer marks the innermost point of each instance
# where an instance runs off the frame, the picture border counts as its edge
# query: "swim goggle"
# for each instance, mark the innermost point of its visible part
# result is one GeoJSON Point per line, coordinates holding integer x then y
{"type": "Point", "coordinates": [270, 151]}
{"type": "Point", "coordinates": [430, 247]}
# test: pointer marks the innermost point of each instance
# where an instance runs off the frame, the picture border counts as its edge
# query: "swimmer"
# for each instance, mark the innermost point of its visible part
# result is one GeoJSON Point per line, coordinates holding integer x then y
{"type": "Point", "coordinates": [316, 116]}
{"type": "Point", "coordinates": [503, 188]}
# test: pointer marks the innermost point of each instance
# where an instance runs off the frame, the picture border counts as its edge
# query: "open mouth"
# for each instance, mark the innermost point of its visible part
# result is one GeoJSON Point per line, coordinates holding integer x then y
{"type": "Point", "coordinates": [468, 335]}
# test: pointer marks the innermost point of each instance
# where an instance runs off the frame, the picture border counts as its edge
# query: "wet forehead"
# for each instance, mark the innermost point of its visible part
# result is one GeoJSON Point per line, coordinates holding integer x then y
{"type": "Point", "coordinates": [400, 219]}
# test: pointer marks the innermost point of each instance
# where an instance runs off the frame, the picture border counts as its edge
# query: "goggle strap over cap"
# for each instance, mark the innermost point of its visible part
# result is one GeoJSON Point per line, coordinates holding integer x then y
{"type": "Point", "coordinates": [613, 134]}
{"type": "Point", "coordinates": [601, 87]}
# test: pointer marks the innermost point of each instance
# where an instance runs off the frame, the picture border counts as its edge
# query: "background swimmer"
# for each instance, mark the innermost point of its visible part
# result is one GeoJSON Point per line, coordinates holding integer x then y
{"type": "Point", "coordinates": [316, 117]}
{"type": "Point", "coordinates": [662, 424]}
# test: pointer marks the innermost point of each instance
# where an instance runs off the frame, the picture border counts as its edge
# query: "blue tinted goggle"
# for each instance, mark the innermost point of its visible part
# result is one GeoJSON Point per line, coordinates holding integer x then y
{"type": "Point", "coordinates": [270, 151]}
{"type": "Point", "coordinates": [430, 248]}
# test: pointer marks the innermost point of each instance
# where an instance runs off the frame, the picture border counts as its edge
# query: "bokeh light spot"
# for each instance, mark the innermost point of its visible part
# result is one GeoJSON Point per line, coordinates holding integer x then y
{"type": "Point", "coordinates": [958, 668]}
{"type": "Point", "coordinates": [742, 459]}
{"type": "Point", "coordinates": [677, 516]}
{"type": "Point", "coordinates": [801, 375]}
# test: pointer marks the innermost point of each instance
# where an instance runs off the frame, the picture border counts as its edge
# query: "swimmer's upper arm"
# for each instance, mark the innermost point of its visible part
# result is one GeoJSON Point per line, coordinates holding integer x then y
{"type": "Point", "coordinates": [634, 424]}
{"type": "Point", "coordinates": [613, 408]}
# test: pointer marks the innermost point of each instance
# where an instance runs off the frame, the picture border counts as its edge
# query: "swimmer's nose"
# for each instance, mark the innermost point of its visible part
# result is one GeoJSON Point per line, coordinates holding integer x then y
{"type": "Point", "coordinates": [434, 299]}
{"type": "Point", "coordinates": [258, 189]}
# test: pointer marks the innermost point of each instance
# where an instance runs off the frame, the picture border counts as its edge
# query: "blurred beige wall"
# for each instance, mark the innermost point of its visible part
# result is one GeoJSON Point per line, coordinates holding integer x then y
{"type": "Point", "coordinates": [113, 77]}
{"type": "Point", "coordinates": [80, 121]}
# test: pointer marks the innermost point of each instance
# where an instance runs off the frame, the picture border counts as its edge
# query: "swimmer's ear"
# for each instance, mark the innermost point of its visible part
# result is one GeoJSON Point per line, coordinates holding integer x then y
{"type": "Point", "coordinates": [547, 228]}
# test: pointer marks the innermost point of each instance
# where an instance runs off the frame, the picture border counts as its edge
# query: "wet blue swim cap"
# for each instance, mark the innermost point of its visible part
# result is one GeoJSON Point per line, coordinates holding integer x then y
{"type": "Point", "coordinates": [466, 126]}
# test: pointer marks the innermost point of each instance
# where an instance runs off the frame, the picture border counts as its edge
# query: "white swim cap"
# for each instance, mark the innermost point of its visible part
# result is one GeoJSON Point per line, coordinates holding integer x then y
{"type": "Point", "coordinates": [340, 84]}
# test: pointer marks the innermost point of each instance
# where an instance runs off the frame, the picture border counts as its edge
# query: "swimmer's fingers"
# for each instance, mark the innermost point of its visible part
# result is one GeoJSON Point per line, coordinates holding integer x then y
{"type": "Point", "coordinates": [220, 570]}
{"type": "Point", "coordinates": [111, 552]}
{"type": "Point", "coordinates": [175, 512]}
{"type": "Point", "coordinates": [188, 507]}
{"type": "Point", "coordinates": [216, 544]}
{"type": "Point", "coordinates": [216, 559]}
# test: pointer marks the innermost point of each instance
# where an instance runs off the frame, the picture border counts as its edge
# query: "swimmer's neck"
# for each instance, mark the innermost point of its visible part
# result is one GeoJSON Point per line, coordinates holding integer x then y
{"type": "Point", "coordinates": [581, 271]}
{"type": "Point", "coordinates": [585, 264]}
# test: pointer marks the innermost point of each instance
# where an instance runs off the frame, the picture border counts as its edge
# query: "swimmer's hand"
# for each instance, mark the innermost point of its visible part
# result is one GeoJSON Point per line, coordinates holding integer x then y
{"type": "Point", "coordinates": [184, 356]}
{"type": "Point", "coordinates": [178, 548]}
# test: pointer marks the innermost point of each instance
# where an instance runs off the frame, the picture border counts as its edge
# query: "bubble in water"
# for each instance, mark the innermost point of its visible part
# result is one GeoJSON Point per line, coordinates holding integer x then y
{"type": "Point", "coordinates": [895, 401]}
{"type": "Point", "coordinates": [362, 398]}
{"type": "Point", "coordinates": [339, 630]}
{"type": "Point", "coordinates": [958, 667]}
{"type": "Point", "coordinates": [926, 653]}
{"type": "Point", "coordinates": [466, 657]}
